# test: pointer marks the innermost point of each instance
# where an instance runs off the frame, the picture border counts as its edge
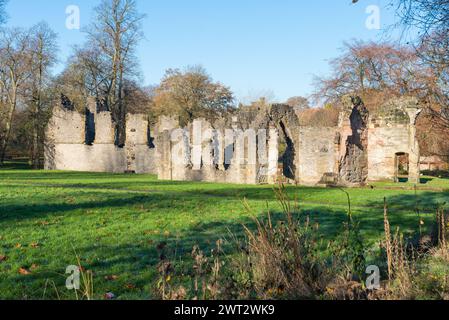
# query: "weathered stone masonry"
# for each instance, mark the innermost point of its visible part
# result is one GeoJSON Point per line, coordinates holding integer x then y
{"type": "Point", "coordinates": [85, 142]}
{"type": "Point", "coordinates": [245, 148]}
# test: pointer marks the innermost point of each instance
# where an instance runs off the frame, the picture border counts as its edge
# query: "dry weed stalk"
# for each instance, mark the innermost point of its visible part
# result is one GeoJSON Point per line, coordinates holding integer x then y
{"type": "Point", "coordinates": [442, 227]}
{"type": "Point", "coordinates": [388, 240]}
{"type": "Point", "coordinates": [282, 255]}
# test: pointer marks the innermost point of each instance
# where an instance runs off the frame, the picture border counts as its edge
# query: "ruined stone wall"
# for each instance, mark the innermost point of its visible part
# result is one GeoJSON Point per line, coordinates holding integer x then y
{"type": "Point", "coordinates": [392, 131]}
{"type": "Point", "coordinates": [363, 147]}
{"type": "Point", "coordinates": [318, 149]}
{"type": "Point", "coordinates": [67, 147]}
{"type": "Point", "coordinates": [353, 166]}
{"type": "Point", "coordinates": [384, 144]}
{"type": "Point", "coordinates": [205, 152]}
{"type": "Point", "coordinates": [244, 147]}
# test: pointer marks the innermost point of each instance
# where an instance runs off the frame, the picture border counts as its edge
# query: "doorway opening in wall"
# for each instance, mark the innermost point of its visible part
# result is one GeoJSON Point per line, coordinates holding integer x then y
{"type": "Point", "coordinates": [90, 128]}
{"type": "Point", "coordinates": [286, 167]}
{"type": "Point", "coordinates": [150, 138]}
{"type": "Point", "coordinates": [402, 167]}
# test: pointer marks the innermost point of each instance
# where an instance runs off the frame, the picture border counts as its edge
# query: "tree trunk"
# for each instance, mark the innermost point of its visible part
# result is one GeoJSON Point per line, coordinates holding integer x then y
{"type": "Point", "coordinates": [35, 146]}
{"type": "Point", "coordinates": [7, 133]}
{"type": "Point", "coordinates": [122, 107]}
{"type": "Point", "coordinates": [37, 116]}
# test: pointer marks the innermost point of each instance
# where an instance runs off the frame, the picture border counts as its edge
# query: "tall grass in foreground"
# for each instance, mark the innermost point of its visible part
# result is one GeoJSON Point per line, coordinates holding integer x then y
{"type": "Point", "coordinates": [287, 259]}
{"type": "Point", "coordinates": [83, 290]}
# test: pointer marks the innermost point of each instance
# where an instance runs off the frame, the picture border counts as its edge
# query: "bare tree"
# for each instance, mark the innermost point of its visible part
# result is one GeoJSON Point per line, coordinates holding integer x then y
{"type": "Point", "coordinates": [375, 71]}
{"type": "Point", "coordinates": [379, 72]}
{"type": "Point", "coordinates": [113, 38]}
{"type": "Point", "coordinates": [86, 75]}
{"type": "Point", "coordinates": [431, 19]}
{"type": "Point", "coordinates": [43, 52]}
{"type": "Point", "coordinates": [14, 73]}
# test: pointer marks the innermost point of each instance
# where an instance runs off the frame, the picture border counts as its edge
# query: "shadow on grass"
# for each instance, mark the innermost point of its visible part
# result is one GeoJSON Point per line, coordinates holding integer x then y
{"type": "Point", "coordinates": [16, 165]}
{"type": "Point", "coordinates": [20, 211]}
{"type": "Point", "coordinates": [138, 261]}
{"type": "Point", "coordinates": [14, 210]}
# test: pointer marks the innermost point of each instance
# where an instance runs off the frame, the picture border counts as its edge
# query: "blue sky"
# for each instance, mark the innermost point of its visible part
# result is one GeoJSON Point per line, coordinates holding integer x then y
{"type": "Point", "coordinates": [253, 46]}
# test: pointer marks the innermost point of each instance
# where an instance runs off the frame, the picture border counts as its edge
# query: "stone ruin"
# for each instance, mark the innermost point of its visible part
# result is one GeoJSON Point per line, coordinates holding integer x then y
{"type": "Point", "coordinates": [86, 142]}
{"type": "Point", "coordinates": [247, 147]}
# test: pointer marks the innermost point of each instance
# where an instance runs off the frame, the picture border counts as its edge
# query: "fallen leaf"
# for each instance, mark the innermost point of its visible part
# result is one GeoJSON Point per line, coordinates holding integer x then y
{"type": "Point", "coordinates": [111, 278]}
{"type": "Point", "coordinates": [24, 271]}
{"type": "Point", "coordinates": [130, 286]}
{"type": "Point", "coordinates": [3, 258]}
{"type": "Point", "coordinates": [18, 246]}
{"type": "Point", "coordinates": [70, 200]}
{"type": "Point", "coordinates": [34, 245]}
{"type": "Point", "coordinates": [109, 296]}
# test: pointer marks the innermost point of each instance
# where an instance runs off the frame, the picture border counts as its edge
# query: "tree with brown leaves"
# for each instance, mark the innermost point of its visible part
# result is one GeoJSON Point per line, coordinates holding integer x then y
{"type": "Point", "coordinates": [191, 93]}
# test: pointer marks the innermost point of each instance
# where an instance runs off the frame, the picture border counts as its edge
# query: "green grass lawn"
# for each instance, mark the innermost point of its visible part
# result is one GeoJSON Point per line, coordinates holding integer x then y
{"type": "Point", "coordinates": [114, 223]}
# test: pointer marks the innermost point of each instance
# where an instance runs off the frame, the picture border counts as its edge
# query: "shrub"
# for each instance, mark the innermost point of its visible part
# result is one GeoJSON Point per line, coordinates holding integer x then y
{"type": "Point", "coordinates": [287, 259]}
